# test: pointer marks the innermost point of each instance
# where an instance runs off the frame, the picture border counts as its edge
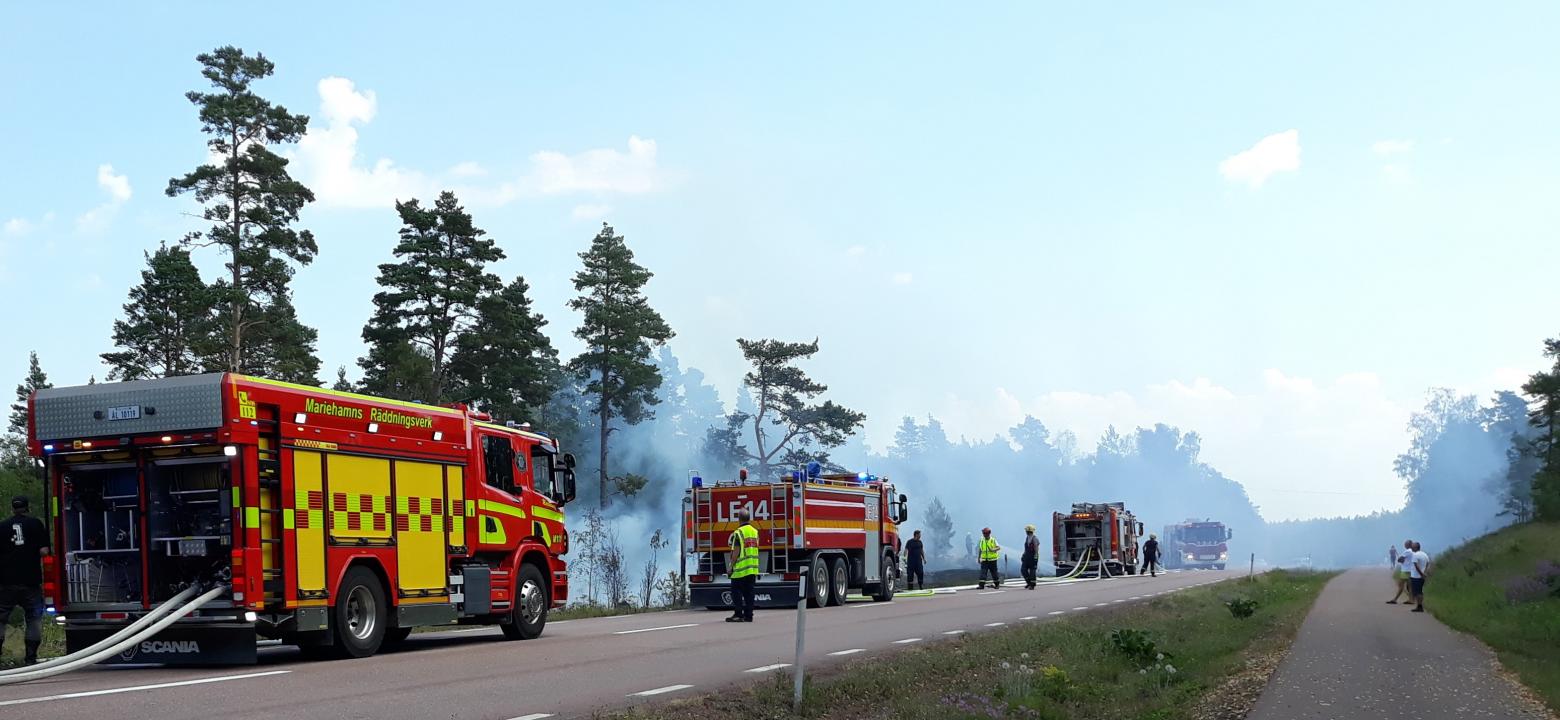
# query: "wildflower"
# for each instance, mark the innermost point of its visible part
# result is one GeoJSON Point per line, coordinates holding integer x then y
{"type": "Point", "coordinates": [1024, 655]}
{"type": "Point", "coordinates": [1143, 671]}
{"type": "Point", "coordinates": [1006, 665]}
{"type": "Point", "coordinates": [1160, 656]}
{"type": "Point", "coordinates": [1170, 669]}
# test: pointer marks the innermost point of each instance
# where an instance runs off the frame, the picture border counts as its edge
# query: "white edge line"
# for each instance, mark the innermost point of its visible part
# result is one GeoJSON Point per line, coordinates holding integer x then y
{"type": "Point", "coordinates": [767, 668]}
{"type": "Point", "coordinates": [995, 624]}
{"type": "Point", "coordinates": [645, 630]}
{"type": "Point", "coordinates": [660, 690]}
{"type": "Point", "coordinates": [991, 592]}
{"type": "Point", "coordinates": [533, 716]}
{"type": "Point", "coordinates": [953, 632]}
{"type": "Point", "coordinates": [1027, 617]}
{"type": "Point", "coordinates": [907, 641]}
{"type": "Point", "coordinates": [1056, 612]}
{"type": "Point", "coordinates": [851, 651]}
{"type": "Point", "coordinates": [1080, 608]}
{"type": "Point", "coordinates": [134, 688]}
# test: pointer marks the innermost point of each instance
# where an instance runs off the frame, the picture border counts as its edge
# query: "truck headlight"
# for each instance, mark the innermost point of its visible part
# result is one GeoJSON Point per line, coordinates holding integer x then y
{"type": "Point", "coordinates": [1224, 556]}
{"type": "Point", "coordinates": [1190, 556]}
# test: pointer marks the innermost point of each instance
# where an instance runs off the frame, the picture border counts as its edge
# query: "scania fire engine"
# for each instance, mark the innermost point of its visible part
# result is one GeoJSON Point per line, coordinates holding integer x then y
{"type": "Point", "coordinates": [1196, 544]}
{"type": "Point", "coordinates": [334, 521]}
{"type": "Point", "coordinates": [842, 527]}
{"type": "Point", "coordinates": [1101, 536]}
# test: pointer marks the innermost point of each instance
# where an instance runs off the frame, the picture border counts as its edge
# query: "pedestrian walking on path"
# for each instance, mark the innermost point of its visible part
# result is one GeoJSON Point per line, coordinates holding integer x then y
{"type": "Point", "coordinates": [1400, 568]}
{"type": "Point", "coordinates": [1356, 660]}
{"type": "Point", "coordinates": [1419, 569]}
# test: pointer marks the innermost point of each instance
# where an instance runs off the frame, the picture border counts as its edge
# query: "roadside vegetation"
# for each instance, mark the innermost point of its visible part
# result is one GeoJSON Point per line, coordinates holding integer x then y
{"type": "Point", "coordinates": [53, 641]}
{"type": "Point", "coordinates": [1203, 653]}
{"type": "Point", "coordinates": [1504, 588]}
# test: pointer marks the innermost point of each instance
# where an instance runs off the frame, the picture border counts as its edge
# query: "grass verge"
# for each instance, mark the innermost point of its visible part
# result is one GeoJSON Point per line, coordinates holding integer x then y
{"type": "Point", "coordinates": [53, 641]}
{"type": "Point", "coordinates": [1101, 664]}
{"type": "Point", "coordinates": [1495, 589]}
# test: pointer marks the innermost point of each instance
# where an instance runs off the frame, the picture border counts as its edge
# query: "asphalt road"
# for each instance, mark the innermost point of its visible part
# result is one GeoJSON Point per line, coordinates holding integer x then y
{"type": "Point", "coordinates": [1357, 658]}
{"type": "Point", "coordinates": [576, 667]}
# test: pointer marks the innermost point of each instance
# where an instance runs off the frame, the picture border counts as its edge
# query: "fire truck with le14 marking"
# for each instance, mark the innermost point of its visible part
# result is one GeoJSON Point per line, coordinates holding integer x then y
{"type": "Point", "coordinates": [1196, 544]}
{"type": "Point", "coordinates": [1103, 537]}
{"type": "Point", "coordinates": [844, 527]}
{"type": "Point", "coordinates": [334, 521]}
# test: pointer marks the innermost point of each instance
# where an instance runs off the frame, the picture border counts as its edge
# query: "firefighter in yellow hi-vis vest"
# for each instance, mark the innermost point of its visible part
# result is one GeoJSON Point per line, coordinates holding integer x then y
{"type": "Point", "coordinates": [990, 551]}
{"type": "Point", "coordinates": [743, 561]}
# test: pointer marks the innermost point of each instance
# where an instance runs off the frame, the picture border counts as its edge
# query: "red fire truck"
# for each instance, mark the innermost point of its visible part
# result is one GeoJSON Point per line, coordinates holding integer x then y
{"type": "Point", "coordinates": [842, 527]}
{"type": "Point", "coordinates": [1196, 544]}
{"type": "Point", "coordinates": [335, 521]}
{"type": "Point", "coordinates": [1102, 536]}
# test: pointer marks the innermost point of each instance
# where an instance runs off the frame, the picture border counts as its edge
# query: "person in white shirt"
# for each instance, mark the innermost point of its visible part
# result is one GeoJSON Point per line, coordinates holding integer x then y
{"type": "Point", "coordinates": [1400, 568]}
{"type": "Point", "coordinates": [1419, 569]}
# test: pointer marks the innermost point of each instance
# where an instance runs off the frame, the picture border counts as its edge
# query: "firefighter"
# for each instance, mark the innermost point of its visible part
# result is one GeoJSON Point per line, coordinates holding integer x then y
{"type": "Point", "coordinates": [989, 552]}
{"type": "Point", "coordinates": [743, 561]}
{"type": "Point", "coordinates": [1030, 562]}
{"type": "Point", "coordinates": [1151, 556]}
{"type": "Point", "coordinates": [915, 562]}
{"type": "Point", "coordinates": [24, 542]}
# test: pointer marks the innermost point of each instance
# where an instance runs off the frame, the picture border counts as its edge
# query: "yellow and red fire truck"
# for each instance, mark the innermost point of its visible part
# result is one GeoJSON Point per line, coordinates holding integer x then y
{"type": "Point", "coordinates": [844, 528]}
{"type": "Point", "coordinates": [337, 522]}
{"type": "Point", "coordinates": [1101, 537]}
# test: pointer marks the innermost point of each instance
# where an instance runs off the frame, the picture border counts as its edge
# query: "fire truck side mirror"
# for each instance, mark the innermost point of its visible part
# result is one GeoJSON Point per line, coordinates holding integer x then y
{"type": "Point", "coordinates": [568, 460]}
{"type": "Point", "coordinates": [1228, 533]}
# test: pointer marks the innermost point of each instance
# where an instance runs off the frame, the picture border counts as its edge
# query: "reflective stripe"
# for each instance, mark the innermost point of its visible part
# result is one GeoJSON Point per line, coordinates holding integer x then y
{"type": "Point", "coordinates": [289, 520]}
{"type": "Point", "coordinates": [501, 509]}
{"type": "Point", "coordinates": [251, 517]}
{"type": "Point", "coordinates": [745, 541]}
{"type": "Point", "coordinates": [547, 513]}
{"type": "Point", "coordinates": [988, 550]}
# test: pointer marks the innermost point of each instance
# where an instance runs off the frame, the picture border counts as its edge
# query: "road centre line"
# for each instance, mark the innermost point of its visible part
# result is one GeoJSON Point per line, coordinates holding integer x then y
{"type": "Point", "coordinates": [995, 624]}
{"type": "Point", "coordinates": [1027, 617]}
{"type": "Point", "coordinates": [533, 716]}
{"type": "Point", "coordinates": [767, 668]}
{"type": "Point", "coordinates": [907, 641]}
{"type": "Point", "coordinates": [135, 688]}
{"type": "Point", "coordinates": [1056, 612]}
{"type": "Point", "coordinates": [645, 630]}
{"type": "Point", "coordinates": [953, 632]}
{"type": "Point", "coordinates": [1080, 608]}
{"type": "Point", "coordinates": [660, 690]}
{"type": "Point", "coordinates": [1100, 604]}
{"type": "Point", "coordinates": [851, 651]}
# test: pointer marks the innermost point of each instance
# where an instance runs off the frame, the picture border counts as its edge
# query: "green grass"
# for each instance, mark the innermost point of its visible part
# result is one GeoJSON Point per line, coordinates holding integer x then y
{"type": "Point", "coordinates": [53, 641]}
{"type": "Point", "coordinates": [1467, 590]}
{"type": "Point", "coordinates": [1068, 668]}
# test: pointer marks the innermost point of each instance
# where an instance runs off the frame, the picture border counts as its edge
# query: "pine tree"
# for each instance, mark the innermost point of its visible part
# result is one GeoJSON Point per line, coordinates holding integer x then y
{"type": "Point", "coordinates": [342, 384]}
{"type": "Point", "coordinates": [785, 406]}
{"type": "Point", "coordinates": [506, 365]}
{"type": "Point", "coordinates": [252, 202]}
{"type": "Point", "coordinates": [1543, 388]}
{"type": "Point", "coordinates": [168, 323]}
{"type": "Point", "coordinates": [619, 329]}
{"type": "Point", "coordinates": [36, 380]}
{"type": "Point", "coordinates": [939, 530]}
{"type": "Point", "coordinates": [431, 294]}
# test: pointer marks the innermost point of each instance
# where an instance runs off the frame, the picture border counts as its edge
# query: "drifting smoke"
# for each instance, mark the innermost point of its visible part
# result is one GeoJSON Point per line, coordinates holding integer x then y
{"type": "Point", "coordinates": [1457, 471]}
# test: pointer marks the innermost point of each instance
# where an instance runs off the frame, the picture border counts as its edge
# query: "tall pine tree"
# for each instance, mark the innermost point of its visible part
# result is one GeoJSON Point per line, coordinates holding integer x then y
{"type": "Point", "coordinates": [619, 329]}
{"type": "Point", "coordinates": [168, 324]}
{"type": "Point", "coordinates": [13, 446]}
{"type": "Point", "coordinates": [1543, 388]}
{"type": "Point", "coordinates": [505, 364]}
{"type": "Point", "coordinates": [431, 293]}
{"type": "Point", "coordinates": [787, 424]}
{"type": "Point", "coordinates": [252, 202]}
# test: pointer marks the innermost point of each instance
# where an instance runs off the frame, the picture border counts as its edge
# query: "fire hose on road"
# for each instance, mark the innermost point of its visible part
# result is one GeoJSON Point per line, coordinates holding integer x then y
{"type": "Point", "coordinates": [164, 615]}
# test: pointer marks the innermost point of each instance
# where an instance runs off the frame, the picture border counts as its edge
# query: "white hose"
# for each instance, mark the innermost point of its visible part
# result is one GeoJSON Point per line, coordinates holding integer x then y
{"type": "Point", "coordinates": [131, 629]}
{"type": "Point", "coordinates": [35, 674]}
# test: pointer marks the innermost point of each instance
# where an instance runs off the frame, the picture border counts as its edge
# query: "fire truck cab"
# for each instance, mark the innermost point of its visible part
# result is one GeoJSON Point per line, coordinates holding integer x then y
{"type": "Point", "coordinates": [1196, 544]}
{"type": "Point", "coordinates": [1101, 536]}
{"type": "Point", "coordinates": [337, 522]}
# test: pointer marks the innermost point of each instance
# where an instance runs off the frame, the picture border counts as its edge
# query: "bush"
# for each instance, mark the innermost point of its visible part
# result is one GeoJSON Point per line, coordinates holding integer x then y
{"type": "Point", "coordinates": [1137, 646]}
{"type": "Point", "coordinates": [1054, 683]}
{"type": "Point", "coordinates": [1241, 608]}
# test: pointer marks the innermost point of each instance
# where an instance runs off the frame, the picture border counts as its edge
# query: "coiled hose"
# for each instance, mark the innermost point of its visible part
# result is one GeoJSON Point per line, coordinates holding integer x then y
{"type": "Point", "coordinates": [131, 629]}
{"type": "Point", "coordinates": [85, 658]}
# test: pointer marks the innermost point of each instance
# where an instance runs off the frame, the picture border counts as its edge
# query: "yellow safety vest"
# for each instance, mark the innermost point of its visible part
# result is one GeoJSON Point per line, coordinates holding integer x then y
{"type": "Point", "coordinates": [988, 549]}
{"type": "Point", "coordinates": [744, 542]}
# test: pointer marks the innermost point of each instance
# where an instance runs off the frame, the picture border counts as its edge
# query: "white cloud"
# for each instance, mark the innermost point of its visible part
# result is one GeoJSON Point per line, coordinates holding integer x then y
{"type": "Point", "coordinates": [856, 250]}
{"type": "Point", "coordinates": [1392, 147]}
{"type": "Point", "coordinates": [1275, 153]}
{"type": "Point", "coordinates": [118, 188]}
{"type": "Point", "coordinates": [1301, 447]}
{"type": "Point", "coordinates": [327, 157]}
{"type": "Point", "coordinates": [591, 212]}
{"type": "Point", "coordinates": [18, 226]}
{"type": "Point", "coordinates": [903, 278]}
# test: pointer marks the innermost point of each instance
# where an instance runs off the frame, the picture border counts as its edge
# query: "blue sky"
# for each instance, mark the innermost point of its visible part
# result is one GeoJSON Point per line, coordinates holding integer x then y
{"type": "Point", "coordinates": [1029, 209]}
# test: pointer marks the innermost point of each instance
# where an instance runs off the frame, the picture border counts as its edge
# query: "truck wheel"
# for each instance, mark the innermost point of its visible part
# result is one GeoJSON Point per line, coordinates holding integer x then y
{"type": "Point", "coordinates": [841, 585]}
{"type": "Point", "coordinates": [818, 582]}
{"type": "Point", "coordinates": [361, 614]}
{"type": "Point", "coordinates": [885, 591]}
{"type": "Point", "coordinates": [528, 612]}
{"type": "Point", "coordinates": [1219, 566]}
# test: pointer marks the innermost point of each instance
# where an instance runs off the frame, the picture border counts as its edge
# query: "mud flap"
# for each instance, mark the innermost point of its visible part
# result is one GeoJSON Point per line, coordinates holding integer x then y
{"type": "Point", "coordinates": [215, 644]}
{"type": "Point", "coordinates": [765, 595]}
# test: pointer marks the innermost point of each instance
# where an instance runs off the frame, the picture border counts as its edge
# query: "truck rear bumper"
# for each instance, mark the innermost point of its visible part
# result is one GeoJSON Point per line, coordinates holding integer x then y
{"type": "Point", "coordinates": [779, 594]}
{"type": "Point", "coordinates": [179, 644]}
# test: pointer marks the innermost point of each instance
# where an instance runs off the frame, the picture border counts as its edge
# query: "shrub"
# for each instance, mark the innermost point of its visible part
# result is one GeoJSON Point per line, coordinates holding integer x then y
{"type": "Point", "coordinates": [1137, 646]}
{"type": "Point", "coordinates": [1054, 683]}
{"type": "Point", "coordinates": [1241, 608]}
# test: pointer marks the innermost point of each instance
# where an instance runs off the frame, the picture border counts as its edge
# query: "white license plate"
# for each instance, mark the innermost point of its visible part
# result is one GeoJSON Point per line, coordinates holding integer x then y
{"type": "Point", "coordinates": [1208, 557]}
{"type": "Point", "coordinates": [192, 548]}
{"type": "Point", "coordinates": [124, 412]}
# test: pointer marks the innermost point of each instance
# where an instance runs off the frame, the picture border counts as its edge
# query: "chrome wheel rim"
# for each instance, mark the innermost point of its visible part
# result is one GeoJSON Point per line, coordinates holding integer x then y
{"type": "Point", "coordinates": [362, 613]}
{"type": "Point", "coordinates": [821, 582]}
{"type": "Point", "coordinates": [840, 581]}
{"type": "Point", "coordinates": [531, 605]}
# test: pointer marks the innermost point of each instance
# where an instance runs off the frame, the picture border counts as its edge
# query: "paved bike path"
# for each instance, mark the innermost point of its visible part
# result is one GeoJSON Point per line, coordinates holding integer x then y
{"type": "Point", "coordinates": [1357, 658]}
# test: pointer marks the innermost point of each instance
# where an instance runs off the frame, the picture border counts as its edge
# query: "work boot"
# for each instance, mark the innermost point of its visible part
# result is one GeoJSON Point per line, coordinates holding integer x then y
{"type": "Point", "coordinates": [32, 653]}
{"type": "Point", "coordinates": [734, 618]}
{"type": "Point", "coordinates": [980, 585]}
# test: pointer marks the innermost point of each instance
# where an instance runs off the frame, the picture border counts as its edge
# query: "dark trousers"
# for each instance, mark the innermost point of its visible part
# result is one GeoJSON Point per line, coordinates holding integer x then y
{"type": "Point", "coordinates": [1150, 566]}
{"type": "Point", "coordinates": [742, 594]}
{"type": "Point", "coordinates": [989, 566]}
{"type": "Point", "coordinates": [1030, 567]}
{"type": "Point", "coordinates": [30, 600]}
{"type": "Point", "coordinates": [915, 575]}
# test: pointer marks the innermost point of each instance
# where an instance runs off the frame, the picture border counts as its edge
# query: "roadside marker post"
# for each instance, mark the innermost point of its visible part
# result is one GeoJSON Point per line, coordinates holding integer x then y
{"type": "Point", "coordinates": [1253, 571]}
{"type": "Point", "coordinates": [801, 607]}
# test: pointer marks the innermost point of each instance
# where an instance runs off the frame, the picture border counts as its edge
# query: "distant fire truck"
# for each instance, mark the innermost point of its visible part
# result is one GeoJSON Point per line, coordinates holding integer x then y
{"type": "Point", "coordinates": [1196, 544]}
{"type": "Point", "coordinates": [1101, 536]}
{"type": "Point", "coordinates": [842, 527]}
{"type": "Point", "coordinates": [333, 521]}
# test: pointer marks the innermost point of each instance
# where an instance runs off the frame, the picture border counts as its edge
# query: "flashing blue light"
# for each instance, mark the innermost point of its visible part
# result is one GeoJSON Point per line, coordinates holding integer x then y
{"type": "Point", "coordinates": [814, 469]}
{"type": "Point", "coordinates": [48, 448]}
{"type": "Point", "coordinates": [861, 476]}
{"type": "Point", "coordinates": [50, 610]}
{"type": "Point", "coordinates": [697, 481]}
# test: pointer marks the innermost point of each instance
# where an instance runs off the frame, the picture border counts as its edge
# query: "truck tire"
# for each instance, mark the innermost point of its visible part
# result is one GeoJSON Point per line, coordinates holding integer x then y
{"type": "Point", "coordinates": [818, 582]}
{"type": "Point", "coordinates": [1219, 566]}
{"type": "Point", "coordinates": [361, 616]}
{"type": "Point", "coordinates": [885, 591]}
{"type": "Point", "coordinates": [839, 585]}
{"type": "Point", "coordinates": [528, 612]}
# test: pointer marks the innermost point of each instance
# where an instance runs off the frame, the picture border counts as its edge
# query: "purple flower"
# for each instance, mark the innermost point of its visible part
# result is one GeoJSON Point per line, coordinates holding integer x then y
{"type": "Point", "coordinates": [1525, 589]}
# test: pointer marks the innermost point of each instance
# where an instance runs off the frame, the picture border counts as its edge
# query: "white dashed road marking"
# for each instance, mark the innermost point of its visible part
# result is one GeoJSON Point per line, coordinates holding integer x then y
{"type": "Point", "coordinates": [533, 716]}
{"type": "Point", "coordinates": [135, 688]}
{"type": "Point", "coordinates": [1027, 617]}
{"type": "Point", "coordinates": [907, 641]}
{"type": "Point", "coordinates": [954, 632]}
{"type": "Point", "coordinates": [660, 690]}
{"type": "Point", "coordinates": [767, 668]}
{"type": "Point", "coordinates": [1100, 604]}
{"type": "Point", "coordinates": [1056, 612]}
{"type": "Point", "coordinates": [645, 630]}
{"type": "Point", "coordinates": [995, 624]}
{"type": "Point", "coordinates": [851, 651]}
{"type": "Point", "coordinates": [991, 592]}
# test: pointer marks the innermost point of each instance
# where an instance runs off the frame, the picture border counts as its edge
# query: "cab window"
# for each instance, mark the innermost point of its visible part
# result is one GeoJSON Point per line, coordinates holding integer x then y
{"type": "Point", "coordinates": [498, 460]}
{"type": "Point", "coordinates": [541, 470]}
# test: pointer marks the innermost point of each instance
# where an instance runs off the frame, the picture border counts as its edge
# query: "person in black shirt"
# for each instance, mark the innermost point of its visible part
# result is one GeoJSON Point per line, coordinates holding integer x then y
{"type": "Point", "coordinates": [24, 542]}
{"type": "Point", "coordinates": [1030, 562]}
{"type": "Point", "coordinates": [1151, 556]}
{"type": "Point", "coordinates": [915, 562]}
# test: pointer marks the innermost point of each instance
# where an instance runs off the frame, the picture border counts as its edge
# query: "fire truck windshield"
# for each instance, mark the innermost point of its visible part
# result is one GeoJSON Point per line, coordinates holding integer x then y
{"type": "Point", "coordinates": [1206, 535]}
